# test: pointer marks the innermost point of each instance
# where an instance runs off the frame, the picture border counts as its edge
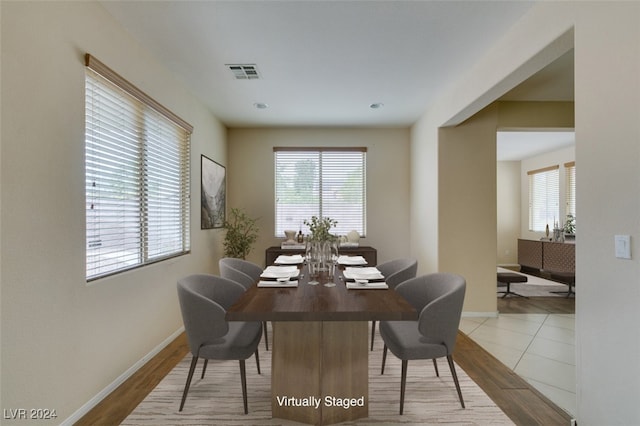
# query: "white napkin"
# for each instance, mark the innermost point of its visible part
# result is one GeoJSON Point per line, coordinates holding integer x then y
{"type": "Point", "coordinates": [278, 283]}
{"type": "Point", "coordinates": [351, 260]}
{"type": "Point", "coordinates": [289, 260]}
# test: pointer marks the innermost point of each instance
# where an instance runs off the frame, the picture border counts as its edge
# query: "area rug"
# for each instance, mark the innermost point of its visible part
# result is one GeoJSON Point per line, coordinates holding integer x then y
{"type": "Point", "coordinates": [217, 399]}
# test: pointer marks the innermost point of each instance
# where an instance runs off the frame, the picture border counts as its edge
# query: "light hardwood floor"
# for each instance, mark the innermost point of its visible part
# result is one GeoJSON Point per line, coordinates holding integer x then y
{"type": "Point", "coordinates": [522, 403]}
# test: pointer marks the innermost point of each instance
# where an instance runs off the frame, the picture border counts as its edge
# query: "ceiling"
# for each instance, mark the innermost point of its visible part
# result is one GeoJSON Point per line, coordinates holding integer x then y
{"type": "Point", "coordinates": [323, 63]}
{"type": "Point", "coordinates": [519, 145]}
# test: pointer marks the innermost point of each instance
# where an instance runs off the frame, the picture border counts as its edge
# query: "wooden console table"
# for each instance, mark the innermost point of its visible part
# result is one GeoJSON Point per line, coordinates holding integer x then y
{"type": "Point", "coordinates": [369, 253]}
{"type": "Point", "coordinates": [538, 257]}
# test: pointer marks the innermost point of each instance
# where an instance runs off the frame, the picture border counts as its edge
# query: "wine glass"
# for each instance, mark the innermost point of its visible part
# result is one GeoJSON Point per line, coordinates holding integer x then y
{"type": "Point", "coordinates": [313, 261]}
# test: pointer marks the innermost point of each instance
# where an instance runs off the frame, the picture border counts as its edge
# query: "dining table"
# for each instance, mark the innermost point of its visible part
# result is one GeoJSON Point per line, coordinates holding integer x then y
{"type": "Point", "coordinates": [320, 355]}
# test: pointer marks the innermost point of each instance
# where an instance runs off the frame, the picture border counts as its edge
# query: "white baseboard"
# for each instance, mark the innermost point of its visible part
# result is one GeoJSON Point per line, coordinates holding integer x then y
{"type": "Point", "coordinates": [124, 376]}
{"type": "Point", "coordinates": [480, 314]}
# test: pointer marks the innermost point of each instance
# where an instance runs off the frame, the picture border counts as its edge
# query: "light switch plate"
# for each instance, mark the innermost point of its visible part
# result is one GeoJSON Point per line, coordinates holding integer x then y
{"type": "Point", "coordinates": [623, 246]}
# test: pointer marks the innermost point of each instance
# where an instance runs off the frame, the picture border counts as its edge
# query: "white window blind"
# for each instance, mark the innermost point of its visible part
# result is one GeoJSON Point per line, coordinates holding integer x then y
{"type": "Point", "coordinates": [570, 177]}
{"type": "Point", "coordinates": [136, 175]}
{"type": "Point", "coordinates": [544, 195]}
{"type": "Point", "coordinates": [323, 182]}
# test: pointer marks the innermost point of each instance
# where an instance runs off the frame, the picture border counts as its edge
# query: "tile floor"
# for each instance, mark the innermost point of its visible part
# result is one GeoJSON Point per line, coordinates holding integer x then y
{"type": "Point", "coordinates": [539, 347]}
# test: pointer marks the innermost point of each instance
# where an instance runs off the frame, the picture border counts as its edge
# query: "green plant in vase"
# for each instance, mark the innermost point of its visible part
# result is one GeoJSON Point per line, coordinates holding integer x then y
{"type": "Point", "coordinates": [570, 225]}
{"type": "Point", "coordinates": [242, 233]}
{"type": "Point", "coordinates": [320, 228]}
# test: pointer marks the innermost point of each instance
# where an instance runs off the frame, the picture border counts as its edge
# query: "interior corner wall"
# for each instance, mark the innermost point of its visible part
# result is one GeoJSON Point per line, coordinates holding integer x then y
{"type": "Point", "coordinates": [65, 341]}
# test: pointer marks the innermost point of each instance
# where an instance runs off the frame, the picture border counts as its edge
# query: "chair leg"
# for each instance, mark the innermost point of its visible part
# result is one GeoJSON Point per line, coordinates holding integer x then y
{"type": "Point", "coordinates": [373, 332]}
{"type": "Point", "coordinates": [266, 337]}
{"type": "Point", "coordinates": [569, 292]}
{"type": "Point", "coordinates": [384, 358]}
{"type": "Point", "coordinates": [243, 379]}
{"type": "Point", "coordinates": [204, 368]}
{"type": "Point", "coordinates": [435, 365]}
{"type": "Point", "coordinates": [194, 361]}
{"type": "Point", "coordinates": [403, 384]}
{"type": "Point", "coordinates": [258, 361]}
{"type": "Point", "coordinates": [509, 292]}
{"type": "Point", "coordinates": [455, 378]}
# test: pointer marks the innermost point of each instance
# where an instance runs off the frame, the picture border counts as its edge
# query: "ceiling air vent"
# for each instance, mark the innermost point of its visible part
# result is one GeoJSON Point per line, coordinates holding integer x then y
{"type": "Point", "coordinates": [244, 71]}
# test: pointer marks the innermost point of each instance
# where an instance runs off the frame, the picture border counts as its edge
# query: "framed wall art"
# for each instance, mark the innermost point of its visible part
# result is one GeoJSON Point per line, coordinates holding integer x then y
{"type": "Point", "coordinates": [213, 194]}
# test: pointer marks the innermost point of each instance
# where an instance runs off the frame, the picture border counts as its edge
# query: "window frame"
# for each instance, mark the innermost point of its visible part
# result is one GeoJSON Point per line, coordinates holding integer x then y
{"type": "Point", "coordinates": [323, 165]}
{"type": "Point", "coordinates": [161, 177]}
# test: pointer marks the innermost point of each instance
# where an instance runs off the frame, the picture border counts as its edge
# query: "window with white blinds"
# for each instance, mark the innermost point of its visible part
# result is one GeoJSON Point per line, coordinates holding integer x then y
{"type": "Point", "coordinates": [136, 176]}
{"type": "Point", "coordinates": [570, 178]}
{"type": "Point", "coordinates": [322, 182]}
{"type": "Point", "coordinates": [544, 195]}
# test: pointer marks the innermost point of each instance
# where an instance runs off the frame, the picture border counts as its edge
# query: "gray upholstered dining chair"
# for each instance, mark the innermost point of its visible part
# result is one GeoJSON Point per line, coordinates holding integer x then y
{"type": "Point", "coordinates": [204, 300]}
{"type": "Point", "coordinates": [244, 266]}
{"type": "Point", "coordinates": [438, 298]}
{"type": "Point", "coordinates": [244, 273]}
{"type": "Point", "coordinates": [236, 275]}
{"type": "Point", "coordinates": [395, 272]}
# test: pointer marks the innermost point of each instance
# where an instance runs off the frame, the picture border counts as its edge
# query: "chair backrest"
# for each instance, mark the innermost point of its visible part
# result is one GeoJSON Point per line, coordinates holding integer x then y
{"type": "Point", "coordinates": [204, 300]}
{"type": "Point", "coordinates": [244, 266]}
{"type": "Point", "coordinates": [398, 271]}
{"type": "Point", "coordinates": [438, 298]}
{"type": "Point", "coordinates": [226, 271]}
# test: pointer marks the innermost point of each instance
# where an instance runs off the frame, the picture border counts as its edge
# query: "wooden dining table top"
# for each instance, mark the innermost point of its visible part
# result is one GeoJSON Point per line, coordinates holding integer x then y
{"type": "Point", "coordinates": [308, 302]}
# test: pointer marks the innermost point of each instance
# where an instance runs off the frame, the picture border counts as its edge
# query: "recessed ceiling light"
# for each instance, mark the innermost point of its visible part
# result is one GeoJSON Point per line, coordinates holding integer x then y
{"type": "Point", "coordinates": [376, 105]}
{"type": "Point", "coordinates": [261, 105]}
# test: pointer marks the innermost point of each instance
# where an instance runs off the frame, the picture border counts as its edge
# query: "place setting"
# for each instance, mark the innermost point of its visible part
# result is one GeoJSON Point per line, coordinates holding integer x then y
{"type": "Point", "coordinates": [279, 276]}
{"type": "Point", "coordinates": [364, 278]}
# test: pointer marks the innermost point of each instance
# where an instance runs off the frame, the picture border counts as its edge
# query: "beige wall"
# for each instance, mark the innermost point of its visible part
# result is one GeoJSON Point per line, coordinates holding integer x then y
{"type": "Point", "coordinates": [607, 126]}
{"type": "Point", "coordinates": [251, 180]}
{"type": "Point", "coordinates": [424, 193]}
{"type": "Point", "coordinates": [467, 206]}
{"type": "Point", "coordinates": [607, 184]}
{"type": "Point", "coordinates": [508, 195]}
{"type": "Point", "coordinates": [63, 341]}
